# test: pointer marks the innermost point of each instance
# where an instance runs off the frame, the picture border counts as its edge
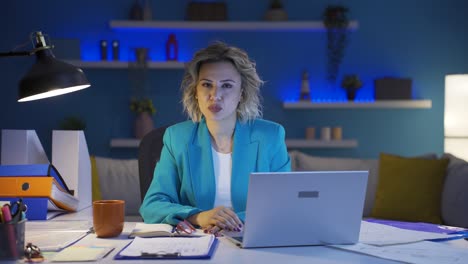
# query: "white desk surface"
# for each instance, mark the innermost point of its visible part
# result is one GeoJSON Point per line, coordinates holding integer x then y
{"type": "Point", "coordinates": [227, 252]}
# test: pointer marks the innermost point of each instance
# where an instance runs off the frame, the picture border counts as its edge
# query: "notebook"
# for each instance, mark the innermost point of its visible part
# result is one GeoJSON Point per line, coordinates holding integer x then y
{"type": "Point", "coordinates": [159, 230]}
{"type": "Point", "coordinates": [303, 208]}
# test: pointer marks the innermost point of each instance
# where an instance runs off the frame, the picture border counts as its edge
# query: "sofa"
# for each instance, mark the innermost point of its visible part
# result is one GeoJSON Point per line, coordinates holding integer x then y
{"type": "Point", "coordinates": [118, 179]}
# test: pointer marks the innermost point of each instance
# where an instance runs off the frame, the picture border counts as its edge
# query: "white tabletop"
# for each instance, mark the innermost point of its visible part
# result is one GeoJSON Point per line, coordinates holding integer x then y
{"type": "Point", "coordinates": [227, 252]}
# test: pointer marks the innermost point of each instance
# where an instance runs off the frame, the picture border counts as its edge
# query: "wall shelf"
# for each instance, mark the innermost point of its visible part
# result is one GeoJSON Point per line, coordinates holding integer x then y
{"type": "Point", "coordinates": [223, 25]}
{"type": "Point", "coordinates": [290, 143]}
{"type": "Point", "coordinates": [307, 143]}
{"type": "Point", "coordinates": [125, 143]}
{"type": "Point", "coordinates": [125, 64]}
{"type": "Point", "coordinates": [425, 104]}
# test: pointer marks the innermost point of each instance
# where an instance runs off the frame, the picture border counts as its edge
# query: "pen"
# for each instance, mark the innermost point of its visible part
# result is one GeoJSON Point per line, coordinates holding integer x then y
{"type": "Point", "coordinates": [10, 230]}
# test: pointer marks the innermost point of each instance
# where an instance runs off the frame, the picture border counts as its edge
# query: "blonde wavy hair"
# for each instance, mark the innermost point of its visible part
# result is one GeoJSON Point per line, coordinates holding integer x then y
{"type": "Point", "coordinates": [249, 106]}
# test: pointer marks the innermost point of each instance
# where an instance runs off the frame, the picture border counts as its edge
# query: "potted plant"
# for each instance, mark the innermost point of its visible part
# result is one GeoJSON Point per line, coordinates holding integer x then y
{"type": "Point", "coordinates": [351, 83]}
{"type": "Point", "coordinates": [72, 123]}
{"type": "Point", "coordinates": [276, 12]}
{"type": "Point", "coordinates": [336, 23]}
{"type": "Point", "coordinates": [144, 109]}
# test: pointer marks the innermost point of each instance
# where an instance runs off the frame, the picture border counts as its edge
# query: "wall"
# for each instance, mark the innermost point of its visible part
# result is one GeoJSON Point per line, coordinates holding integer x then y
{"type": "Point", "coordinates": [395, 38]}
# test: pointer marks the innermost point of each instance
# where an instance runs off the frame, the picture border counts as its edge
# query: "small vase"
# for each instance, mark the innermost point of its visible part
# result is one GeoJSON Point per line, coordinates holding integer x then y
{"type": "Point", "coordinates": [147, 12]}
{"type": "Point", "coordinates": [351, 93]}
{"type": "Point", "coordinates": [136, 11]}
{"type": "Point", "coordinates": [276, 14]}
{"type": "Point", "coordinates": [143, 124]}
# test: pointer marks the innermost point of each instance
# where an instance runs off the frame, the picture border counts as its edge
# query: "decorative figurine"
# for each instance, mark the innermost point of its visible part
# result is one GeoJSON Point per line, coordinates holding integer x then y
{"type": "Point", "coordinates": [115, 50]}
{"type": "Point", "coordinates": [103, 49]}
{"type": "Point", "coordinates": [305, 90]}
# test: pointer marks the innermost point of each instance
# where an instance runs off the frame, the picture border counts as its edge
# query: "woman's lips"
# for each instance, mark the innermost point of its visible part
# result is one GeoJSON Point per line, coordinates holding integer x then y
{"type": "Point", "coordinates": [215, 108]}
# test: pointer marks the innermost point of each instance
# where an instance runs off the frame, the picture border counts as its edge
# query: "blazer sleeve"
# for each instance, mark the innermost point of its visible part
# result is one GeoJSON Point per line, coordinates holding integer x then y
{"type": "Point", "coordinates": [162, 203]}
{"type": "Point", "coordinates": [280, 160]}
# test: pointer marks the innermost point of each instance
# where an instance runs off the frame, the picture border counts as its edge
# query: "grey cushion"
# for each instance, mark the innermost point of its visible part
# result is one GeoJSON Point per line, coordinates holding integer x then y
{"type": "Point", "coordinates": [118, 179]}
{"type": "Point", "coordinates": [455, 193]}
{"type": "Point", "coordinates": [303, 162]}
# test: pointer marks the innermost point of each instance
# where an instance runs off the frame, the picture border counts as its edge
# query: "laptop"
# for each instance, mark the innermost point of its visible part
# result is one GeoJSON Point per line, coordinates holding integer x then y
{"type": "Point", "coordinates": [303, 208]}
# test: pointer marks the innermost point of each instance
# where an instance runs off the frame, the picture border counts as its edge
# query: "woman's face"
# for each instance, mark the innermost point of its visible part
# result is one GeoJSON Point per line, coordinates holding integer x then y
{"type": "Point", "coordinates": [218, 91]}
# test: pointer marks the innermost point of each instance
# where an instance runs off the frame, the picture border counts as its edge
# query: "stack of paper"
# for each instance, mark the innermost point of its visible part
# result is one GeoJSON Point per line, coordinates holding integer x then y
{"type": "Point", "coordinates": [381, 235]}
{"type": "Point", "coordinates": [405, 245]}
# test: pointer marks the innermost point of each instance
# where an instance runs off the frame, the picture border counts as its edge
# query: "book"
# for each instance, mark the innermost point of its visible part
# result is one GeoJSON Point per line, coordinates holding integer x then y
{"type": "Point", "coordinates": [160, 230]}
{"type": "Point", "coordinates": [201, 247]}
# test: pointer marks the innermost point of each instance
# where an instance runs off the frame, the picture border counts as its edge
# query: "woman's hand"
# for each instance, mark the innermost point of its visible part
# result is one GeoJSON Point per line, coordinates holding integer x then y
{"type": "Point", "coordinates": [216, 219]}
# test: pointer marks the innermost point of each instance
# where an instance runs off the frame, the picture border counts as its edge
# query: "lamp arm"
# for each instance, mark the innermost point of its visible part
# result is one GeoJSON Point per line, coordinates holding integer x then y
{"type": "Point", "coordinates": [16, 53]}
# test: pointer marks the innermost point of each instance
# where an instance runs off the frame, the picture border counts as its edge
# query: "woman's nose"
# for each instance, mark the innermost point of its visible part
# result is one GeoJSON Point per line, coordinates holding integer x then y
{"type": "Point", "coordinates": [216, 93]}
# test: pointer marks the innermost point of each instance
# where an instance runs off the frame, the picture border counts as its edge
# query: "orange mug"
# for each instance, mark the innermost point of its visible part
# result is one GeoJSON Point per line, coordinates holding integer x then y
{"type": "Point", "coordinates": [108, 217]}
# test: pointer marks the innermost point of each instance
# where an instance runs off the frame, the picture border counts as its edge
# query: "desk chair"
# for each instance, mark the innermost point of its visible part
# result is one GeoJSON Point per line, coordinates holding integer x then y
{"type": "Point", "coordinates": [149, 152]}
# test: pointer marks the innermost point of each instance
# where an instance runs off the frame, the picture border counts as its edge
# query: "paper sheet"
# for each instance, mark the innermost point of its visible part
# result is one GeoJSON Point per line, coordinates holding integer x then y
{"type": "Point", "coordinates": [53, 240]}
{"type": "Point", "coordinates": [185, 246]}
{"type": "Point", "coordinates": [382, 235]}
{"type": "Point", "coordinates": [55, 235]}
{"type": "Point", "coordinates": [424, 252]}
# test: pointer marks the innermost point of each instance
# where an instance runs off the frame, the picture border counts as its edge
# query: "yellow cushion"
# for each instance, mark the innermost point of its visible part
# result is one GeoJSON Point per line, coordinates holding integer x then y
{"type": "Point", "coordinates": [96, 189]}
{"type": "Point", "coordinates": [410, 189]}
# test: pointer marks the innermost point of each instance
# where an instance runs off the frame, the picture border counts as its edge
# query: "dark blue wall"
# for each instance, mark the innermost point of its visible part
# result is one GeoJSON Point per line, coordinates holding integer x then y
{"type": "Point", "coordinates": [395, 38]}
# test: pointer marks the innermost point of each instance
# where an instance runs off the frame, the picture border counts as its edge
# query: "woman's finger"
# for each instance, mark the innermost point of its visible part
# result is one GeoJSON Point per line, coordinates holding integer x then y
{"type": "Point", "coordinates": [236, 221]}
{"type": "Point", "coordinates": [207, 228]}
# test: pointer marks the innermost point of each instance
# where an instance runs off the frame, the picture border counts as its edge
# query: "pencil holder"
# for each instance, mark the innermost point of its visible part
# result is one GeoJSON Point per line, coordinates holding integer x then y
{"type": "Point", "coordinates": [12, 240]}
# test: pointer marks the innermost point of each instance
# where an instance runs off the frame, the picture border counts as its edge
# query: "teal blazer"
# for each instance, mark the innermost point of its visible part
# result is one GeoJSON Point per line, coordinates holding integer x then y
{"type": "Point", "coordinates": [184, 181]}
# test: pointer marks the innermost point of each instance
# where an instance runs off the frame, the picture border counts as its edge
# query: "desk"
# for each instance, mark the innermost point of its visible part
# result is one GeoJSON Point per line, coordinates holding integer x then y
{"type": "Point", "coordinates": [227, 252]}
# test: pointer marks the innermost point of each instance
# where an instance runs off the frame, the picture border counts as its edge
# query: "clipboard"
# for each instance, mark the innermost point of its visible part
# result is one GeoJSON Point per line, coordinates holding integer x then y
{"type": "Point", "coordinates": [213, 247]}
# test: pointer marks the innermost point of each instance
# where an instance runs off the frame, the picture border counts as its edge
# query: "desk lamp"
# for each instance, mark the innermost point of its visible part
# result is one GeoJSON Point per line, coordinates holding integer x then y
{"type": "Point", "coordinates": [48, 76]}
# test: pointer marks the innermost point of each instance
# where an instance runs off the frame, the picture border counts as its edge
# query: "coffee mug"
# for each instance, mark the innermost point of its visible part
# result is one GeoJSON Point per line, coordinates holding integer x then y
{"type": "Point", "coordinates": [108, 217]}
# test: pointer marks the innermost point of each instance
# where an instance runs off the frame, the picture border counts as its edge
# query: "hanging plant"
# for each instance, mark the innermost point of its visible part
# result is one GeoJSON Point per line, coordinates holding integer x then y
{"type": "Point", "coordinates": [336, 22]}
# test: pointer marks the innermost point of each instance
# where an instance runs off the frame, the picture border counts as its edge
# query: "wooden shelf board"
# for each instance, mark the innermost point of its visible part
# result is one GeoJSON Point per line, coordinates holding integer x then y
{"type": "Point", "coordinates": [306, 143]}
{"type": "Point", "coordinates": [425, 104]}
{"type": "Point", "coordinates": [125, 143]}
{"type": "Point", "coordinates": [224, 25]}
{"type": "Point", "coordinates": [125, 64]}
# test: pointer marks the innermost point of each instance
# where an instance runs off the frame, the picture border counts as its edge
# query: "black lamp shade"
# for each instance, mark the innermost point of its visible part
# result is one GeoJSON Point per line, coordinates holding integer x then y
{"type": "Point", "coordinates": [50, 77]}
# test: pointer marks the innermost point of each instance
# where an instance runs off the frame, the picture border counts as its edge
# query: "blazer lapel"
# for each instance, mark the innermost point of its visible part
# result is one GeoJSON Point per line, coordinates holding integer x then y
{"type": "Point", "coordinates": [244, 161]}
{"type": "Point", "coordinates": [201, 167]}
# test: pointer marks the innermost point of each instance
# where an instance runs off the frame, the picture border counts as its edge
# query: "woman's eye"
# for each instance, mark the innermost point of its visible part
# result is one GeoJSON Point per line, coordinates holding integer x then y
{"type": "Point", "coordinates": [227, 85]}
{"type": "Point", "coordinates": [208, 85]}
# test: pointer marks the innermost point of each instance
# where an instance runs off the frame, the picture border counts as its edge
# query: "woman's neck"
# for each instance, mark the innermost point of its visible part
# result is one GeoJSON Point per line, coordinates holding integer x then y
{"type": "Point", "coordinates": [221, 134]}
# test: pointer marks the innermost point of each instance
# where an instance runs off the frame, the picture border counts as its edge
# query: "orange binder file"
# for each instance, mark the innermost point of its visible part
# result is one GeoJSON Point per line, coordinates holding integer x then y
{"type": "Point", "coordinates": [37, 187]}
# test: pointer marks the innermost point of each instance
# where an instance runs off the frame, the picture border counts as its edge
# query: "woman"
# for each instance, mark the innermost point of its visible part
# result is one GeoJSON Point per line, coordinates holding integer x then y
{"type": "Point", "coordinates": [203, 173]}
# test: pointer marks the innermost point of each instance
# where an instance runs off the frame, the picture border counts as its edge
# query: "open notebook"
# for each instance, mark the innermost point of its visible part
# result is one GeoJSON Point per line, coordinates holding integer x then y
{"type": "Point", "coordinates": [160, 230]}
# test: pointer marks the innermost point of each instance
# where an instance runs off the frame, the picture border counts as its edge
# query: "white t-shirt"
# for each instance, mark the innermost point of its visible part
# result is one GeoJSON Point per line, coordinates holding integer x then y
{"type": "Point", "coordinates": [222, 164]}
